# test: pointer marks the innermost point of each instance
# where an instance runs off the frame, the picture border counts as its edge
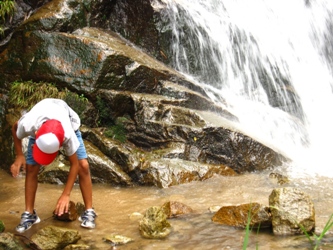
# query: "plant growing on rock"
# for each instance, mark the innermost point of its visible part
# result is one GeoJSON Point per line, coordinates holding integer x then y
{"type": "Point", "coordinates": [104, 112]}
{"type": "Point", "coordinates": [117, 131]}
{"type": "Point", "coordinates": [7, 9]}
{"type": "Point", "coordinates": [2, 226]}
{"type": "Point", "coordinates": [248, 231]}
{"type": "Point", "coordinates": [24, 95]}
{"type": "Point", "coordinates": [77, 102]}
{"type": "Point", "coordinates": [315, 239]}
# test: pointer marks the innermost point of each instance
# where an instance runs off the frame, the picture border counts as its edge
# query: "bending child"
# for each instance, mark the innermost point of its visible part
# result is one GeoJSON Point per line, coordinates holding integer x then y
{"type": "Point", "coordinates": [50, 125]}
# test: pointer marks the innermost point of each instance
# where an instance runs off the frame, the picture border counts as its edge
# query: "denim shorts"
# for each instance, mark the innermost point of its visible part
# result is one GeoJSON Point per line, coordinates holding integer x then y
{"type": "Point", "coordinates": [80, 152]}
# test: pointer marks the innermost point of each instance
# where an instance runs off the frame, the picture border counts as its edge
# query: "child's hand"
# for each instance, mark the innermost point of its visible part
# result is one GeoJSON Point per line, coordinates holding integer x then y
{"type": "Point", "coordinates": [62, 205]}
{"type": "Point", "coordinates": [16, 166]}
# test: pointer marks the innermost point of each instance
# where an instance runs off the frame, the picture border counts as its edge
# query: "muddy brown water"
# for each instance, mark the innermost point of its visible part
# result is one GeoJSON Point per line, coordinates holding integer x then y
{"type": "Point", "coordinates": [114, 205]}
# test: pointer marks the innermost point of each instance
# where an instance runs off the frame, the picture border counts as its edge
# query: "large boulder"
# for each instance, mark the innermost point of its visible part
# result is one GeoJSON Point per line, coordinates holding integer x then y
{"type": "Point", "coordinates": [174, 132]}
{"type": "Point", "coordinates": [143, 25]}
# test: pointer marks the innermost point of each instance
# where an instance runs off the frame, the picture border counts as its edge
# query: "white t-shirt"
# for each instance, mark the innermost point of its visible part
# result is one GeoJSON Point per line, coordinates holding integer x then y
{"type": "Point", "coordinates": [48, 109]}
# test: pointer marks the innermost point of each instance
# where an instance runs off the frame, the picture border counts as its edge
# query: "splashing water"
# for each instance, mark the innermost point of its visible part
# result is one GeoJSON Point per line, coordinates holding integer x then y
{"type": "Point", "coordinates": [271, 61]}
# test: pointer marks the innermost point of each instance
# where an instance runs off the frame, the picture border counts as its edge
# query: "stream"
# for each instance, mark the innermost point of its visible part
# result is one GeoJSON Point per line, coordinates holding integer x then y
{"type": "Point", "coordinates": [115, 205]}
{"type": "Point", "coordinates": [271, 61]}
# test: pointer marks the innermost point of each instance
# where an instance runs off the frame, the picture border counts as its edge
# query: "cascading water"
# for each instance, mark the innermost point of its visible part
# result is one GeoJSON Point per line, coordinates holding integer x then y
{"type": "Point", "coordinates": [270, 61]}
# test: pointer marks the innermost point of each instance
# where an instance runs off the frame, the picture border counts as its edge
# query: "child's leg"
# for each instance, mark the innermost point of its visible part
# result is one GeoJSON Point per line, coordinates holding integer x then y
{"type": "Point", "coordinates": [84, 173]}
{"type": "Point", "coordinates": [31, 184]}
{"type": "Point", "coordinates": [31, 178]}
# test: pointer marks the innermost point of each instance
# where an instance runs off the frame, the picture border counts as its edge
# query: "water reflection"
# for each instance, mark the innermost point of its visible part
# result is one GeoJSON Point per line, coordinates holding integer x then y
{"type": "Point", "coordinates": [114, 206]}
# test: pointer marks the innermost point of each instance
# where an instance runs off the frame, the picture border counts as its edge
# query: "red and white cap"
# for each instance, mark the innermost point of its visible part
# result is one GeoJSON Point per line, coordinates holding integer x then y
{"type": "Point", "coordinates": [49, 139]}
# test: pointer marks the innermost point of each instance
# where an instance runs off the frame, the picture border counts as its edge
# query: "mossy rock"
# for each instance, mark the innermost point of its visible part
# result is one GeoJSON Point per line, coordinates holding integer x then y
{"type": "Point", "coordinates": [154, 224]}
{"type": "Point", "coordinates": [2, 226]}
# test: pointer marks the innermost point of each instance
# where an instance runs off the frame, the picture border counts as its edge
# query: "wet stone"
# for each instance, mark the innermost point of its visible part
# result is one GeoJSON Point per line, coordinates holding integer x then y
{"type": "Point", "coordinates": [175, 208]}
{"type": "Point", "coordinates": [280, 179]}
{"type": "Point", "coordinates": [238, 215]}
{"type": "Point", "coordinates": [292, 211]}
{"type": "Point", "coordinates": [115, 239]}
{"type": "Point", "coordinates": [71, 215]}
{"type": "Point", "coordinates": [54, 238]}
{"type": "Point", "coordinates": [154, 224]}
{"type": "Point", "coordinates": [135, 216]}
{"type": "Point", "coordinates": [9, 241]}
{"type": "Point", "coordinates": [77, 247]}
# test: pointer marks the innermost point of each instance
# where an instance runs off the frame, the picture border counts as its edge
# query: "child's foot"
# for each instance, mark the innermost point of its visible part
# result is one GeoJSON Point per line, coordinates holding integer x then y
{"type": "Point", "coordinates": [88, 218]}
{"type": "Point", "coordinates": [27, 220]}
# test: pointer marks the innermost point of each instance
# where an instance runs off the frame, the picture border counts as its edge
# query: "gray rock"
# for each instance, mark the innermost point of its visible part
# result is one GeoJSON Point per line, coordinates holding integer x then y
{"type": "Point", "coordinates": [9, 242]}
{"type": "Point", "coordinates": [52, 237]}
{"type": "Point", "coordinates": [291, 208]}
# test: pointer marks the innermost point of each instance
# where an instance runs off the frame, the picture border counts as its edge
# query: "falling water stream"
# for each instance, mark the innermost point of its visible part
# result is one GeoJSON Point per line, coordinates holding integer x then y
{"type": "Point", "coordinates": [270, 64]}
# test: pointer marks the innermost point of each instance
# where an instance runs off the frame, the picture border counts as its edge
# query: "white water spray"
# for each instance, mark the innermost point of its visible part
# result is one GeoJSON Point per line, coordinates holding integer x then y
{"type": "Point", "coordinates": [266, 58]}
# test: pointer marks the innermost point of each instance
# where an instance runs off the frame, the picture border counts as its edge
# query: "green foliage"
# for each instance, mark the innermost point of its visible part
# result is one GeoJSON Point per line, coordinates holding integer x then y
{"type": "Point", "coordinates": [104, 111]}
{"type": "Point", "coordinates": [315, 239]}
{"type": "Point", "coordinates": [2, 226]}
{"type": "Point", "coordinates": [7, 9]}
{"type": "Point", "coordinates": [77, 102]}
{"type": "Point", "coordinates": [117, 131]}
{"type": "Point", "coordinates": [248, 230]}
{"type": "Point", "coordinates": [24, 95]}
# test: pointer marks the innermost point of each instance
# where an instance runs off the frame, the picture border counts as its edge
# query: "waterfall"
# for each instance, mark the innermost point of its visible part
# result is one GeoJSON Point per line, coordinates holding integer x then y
{"type": "Point", "coordinates": [270, 61]}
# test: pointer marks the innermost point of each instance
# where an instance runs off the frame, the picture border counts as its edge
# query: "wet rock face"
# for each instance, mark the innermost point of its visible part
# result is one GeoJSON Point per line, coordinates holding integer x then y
{"type": "Point", "coordinates": [170, 137]}
{"type": "Point", "coordinates": [132, 19]}
{"type": "Point", "coordinates": [23, 10]}
{"type": "Point", "coordinates": [291, 208]}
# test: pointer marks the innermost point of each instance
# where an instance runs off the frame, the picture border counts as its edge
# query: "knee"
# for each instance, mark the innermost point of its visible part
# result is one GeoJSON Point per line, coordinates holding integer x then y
{"type": "Point", "coordinates": [32, 171]}
{"type": "Point", "coordinates": [84, 167]}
